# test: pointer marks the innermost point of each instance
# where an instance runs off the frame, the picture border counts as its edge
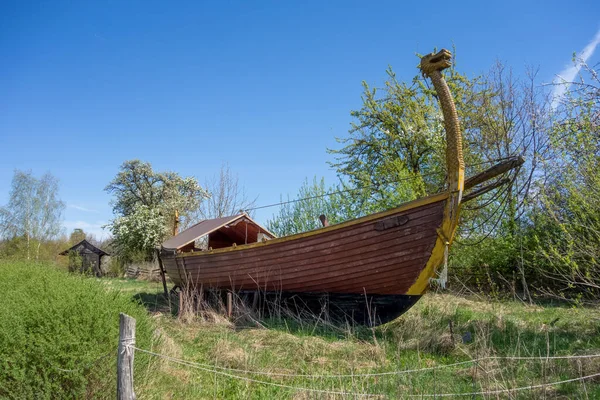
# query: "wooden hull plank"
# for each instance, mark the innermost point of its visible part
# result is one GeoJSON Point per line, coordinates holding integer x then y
{"type": "Point", "coordinates": [356, 258]}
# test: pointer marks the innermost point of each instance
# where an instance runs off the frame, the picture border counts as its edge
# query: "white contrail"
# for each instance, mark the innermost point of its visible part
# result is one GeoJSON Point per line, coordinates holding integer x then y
{"type": "Point", "coordinates": [566, 76]}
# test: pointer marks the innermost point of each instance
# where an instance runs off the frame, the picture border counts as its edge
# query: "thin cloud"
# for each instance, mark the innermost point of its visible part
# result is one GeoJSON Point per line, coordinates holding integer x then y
{"type": "Point", "coordinates": [80, 208]}
{"type": "Point", "coordinates": [566, 76]}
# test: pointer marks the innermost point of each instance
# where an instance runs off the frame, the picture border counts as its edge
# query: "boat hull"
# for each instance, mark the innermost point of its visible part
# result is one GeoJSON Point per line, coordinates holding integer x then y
{"type": "Point", "coordinates": [371, 260]}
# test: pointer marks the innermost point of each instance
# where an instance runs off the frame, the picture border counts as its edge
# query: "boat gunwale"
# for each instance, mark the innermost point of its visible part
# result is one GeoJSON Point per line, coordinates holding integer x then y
{"type": "Point", "coordinates": [367, 218]}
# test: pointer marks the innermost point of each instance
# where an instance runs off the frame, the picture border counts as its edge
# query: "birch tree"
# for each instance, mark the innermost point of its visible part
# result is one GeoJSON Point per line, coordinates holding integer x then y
{"type": "Point", "coordinates": [34, 211]}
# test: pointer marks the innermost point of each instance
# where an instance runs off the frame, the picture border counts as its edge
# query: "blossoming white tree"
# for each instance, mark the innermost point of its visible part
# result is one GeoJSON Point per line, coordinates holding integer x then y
{"type": "Point", "coordinates": [145, 204]}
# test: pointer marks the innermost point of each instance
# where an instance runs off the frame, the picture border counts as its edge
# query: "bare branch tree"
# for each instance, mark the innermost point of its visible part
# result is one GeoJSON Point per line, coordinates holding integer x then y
{"type": "Point", "coordinates": [227, 197]}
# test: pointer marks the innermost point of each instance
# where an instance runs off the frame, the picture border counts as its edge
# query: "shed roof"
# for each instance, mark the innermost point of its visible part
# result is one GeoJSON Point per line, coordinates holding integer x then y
{"type": "Point", "coordinates": [206, 227]}
{"type": "Point", "coordinates": [88, 246]}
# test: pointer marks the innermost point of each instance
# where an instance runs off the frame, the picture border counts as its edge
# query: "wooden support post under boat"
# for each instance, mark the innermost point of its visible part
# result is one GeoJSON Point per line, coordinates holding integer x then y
{"type": "Point", "coordinates": [229, 304]}
{"type": "Point", "coordinates": [255, 300]}
{"type": "Point", "coordinates": [162, 276]}
{"type": "Point", "coordinates": [181, 302]}
{"type": "Point", "coordinates": [500, 168]}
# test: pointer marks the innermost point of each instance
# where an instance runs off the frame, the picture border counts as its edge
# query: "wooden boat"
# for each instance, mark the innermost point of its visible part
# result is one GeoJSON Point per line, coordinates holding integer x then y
{"type": "Point", "coordinates": [369, 270]}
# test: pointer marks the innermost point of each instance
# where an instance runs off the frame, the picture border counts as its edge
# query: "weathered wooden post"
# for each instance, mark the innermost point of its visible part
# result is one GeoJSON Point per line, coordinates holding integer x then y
{"type": "Point", "coordinates": [162, 275]}
{"type": "Point", "coordinates": [229, 304]}
{"type": "Point", "coordinates": [125, 358]}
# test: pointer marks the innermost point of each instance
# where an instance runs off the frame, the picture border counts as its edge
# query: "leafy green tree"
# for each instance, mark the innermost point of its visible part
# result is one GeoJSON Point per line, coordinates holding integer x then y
{"type": "Point", "coordinates": [302, 214]}
{"type": "Point", "coordinates": [77, 236]}
{"type": "Point", "coordinates": [135, 235]}
{"type": "Point", "coordinates": [513, 116]}
{"type": "Point", "coordinates": [566, 227]}
{"type": "Point", "coordinates": [338, 203]}
{"type": "Point", "coordinates": [396, 142]}
{"type": "Point", "coordinates": [395, 136]}
{"type": "Point", "coordinates": [145, 203]}
{"type": "Point", "coordinates": [33, 212]}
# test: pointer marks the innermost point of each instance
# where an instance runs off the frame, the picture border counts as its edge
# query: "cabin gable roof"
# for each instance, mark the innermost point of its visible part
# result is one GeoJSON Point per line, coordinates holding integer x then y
{"type": "Point", "coordinates": [84, 244]}
{"type": "Point", "coordinates": [209, 226]}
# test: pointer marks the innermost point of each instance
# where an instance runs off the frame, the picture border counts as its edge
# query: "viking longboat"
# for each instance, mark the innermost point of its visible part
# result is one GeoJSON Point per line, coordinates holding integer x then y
{"type": "Point", "coordinates": [369, 270]}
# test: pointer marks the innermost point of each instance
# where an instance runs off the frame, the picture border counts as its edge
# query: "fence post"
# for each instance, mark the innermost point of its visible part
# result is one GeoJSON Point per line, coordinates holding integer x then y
{"type": "Point", "coordinates": [125, 358]}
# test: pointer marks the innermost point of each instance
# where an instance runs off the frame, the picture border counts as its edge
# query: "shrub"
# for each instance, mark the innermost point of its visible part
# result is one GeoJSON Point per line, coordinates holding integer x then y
{"type": "Point", "coordinates": [59, 333]}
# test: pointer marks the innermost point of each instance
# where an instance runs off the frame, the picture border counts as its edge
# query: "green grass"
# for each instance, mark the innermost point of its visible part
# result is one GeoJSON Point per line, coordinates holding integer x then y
{"type": "Point", "coordinates": [59, 333]}
{"type": "Point", "coordinates": [52, 321]}
{"type": "Point", "coordinates": [419, 339]}
{"type": "Point", "coordinates": [131, 285]}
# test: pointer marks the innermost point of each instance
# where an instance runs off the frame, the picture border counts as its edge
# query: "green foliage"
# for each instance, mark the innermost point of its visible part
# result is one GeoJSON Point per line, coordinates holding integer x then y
{"type": "Point", "coordinates": [565, 228]}
{"type": "Point", "coordinates": [16, 249]}
{"type": "Point", "coordinates": [338, 203]}
{"type": "Point", "coordinates": [396, 135]}
{"type": "Point", "coordinates": [75, 261]}
{"type": "Point", "coordinates": [59, 334]}
{"type": "Point", "coordinates": [566, 234]}
{"type": "Point", "coordinates": [396, 144]}
{"type": "Point", "coordinates": [77, 236]}
{"type": "Point", "coordinates": [303, 215]}
{"type": "Point", "coordinates": [116, 268]}
{"type": "Point", "coordinates": [139, 232]}
{"type": "Point", "coordinates": [137, 184]}
{"type": "Point", "coordinates": [145, 204]}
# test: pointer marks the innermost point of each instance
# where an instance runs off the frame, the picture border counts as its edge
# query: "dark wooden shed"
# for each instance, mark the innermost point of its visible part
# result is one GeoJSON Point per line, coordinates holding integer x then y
{"type": "Point", "coordinates": [91, 257]}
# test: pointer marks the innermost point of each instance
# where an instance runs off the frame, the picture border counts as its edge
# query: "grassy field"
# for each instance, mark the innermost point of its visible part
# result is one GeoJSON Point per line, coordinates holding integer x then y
{"type": "Point", "coordinates": [59, 332]}
{"type": "Point", "coordinates": [439, 331]}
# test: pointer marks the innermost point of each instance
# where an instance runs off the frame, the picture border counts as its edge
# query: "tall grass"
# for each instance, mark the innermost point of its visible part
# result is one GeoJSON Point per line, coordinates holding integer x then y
{"type": "Point", "coordinates": [59, 333]}
{"type": "Point", "coordinates": [439, 330]}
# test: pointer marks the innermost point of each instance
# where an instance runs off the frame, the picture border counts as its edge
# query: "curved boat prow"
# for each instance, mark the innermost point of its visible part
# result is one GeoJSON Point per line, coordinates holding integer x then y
{"type": "Point", "coordinates": [431, 66]}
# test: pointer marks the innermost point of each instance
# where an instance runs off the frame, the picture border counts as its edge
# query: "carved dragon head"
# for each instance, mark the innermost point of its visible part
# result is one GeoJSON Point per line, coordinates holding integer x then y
{"type": "Point", "coordinates": [436, 62]}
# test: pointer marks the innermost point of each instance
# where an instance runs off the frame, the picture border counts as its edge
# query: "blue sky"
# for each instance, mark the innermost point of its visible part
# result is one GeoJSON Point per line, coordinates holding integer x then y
{"type": "Point", "coordinates": [263, 86]}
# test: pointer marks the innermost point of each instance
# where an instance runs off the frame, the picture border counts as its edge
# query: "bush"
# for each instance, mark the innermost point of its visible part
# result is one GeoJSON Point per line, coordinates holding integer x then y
{"type": "Point", "coordinates": [59, 333]}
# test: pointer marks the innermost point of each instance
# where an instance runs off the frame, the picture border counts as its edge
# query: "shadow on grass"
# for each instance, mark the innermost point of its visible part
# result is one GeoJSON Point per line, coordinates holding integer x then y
{"type": "Point", "coordinates": [325, 329]}
{"type": "Point", "coordinates": [156, 303]}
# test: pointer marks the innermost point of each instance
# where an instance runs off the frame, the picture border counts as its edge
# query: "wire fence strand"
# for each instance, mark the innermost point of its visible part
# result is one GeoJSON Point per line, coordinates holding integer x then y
{"type": "Point", "coordinates": [245, 378]}
{"type": "Point", "coordinates": [508, 390]}
{"type": "Point", "coordinates": [222, 371]}
{"type": "Point", "coordinates": [374, 374]}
